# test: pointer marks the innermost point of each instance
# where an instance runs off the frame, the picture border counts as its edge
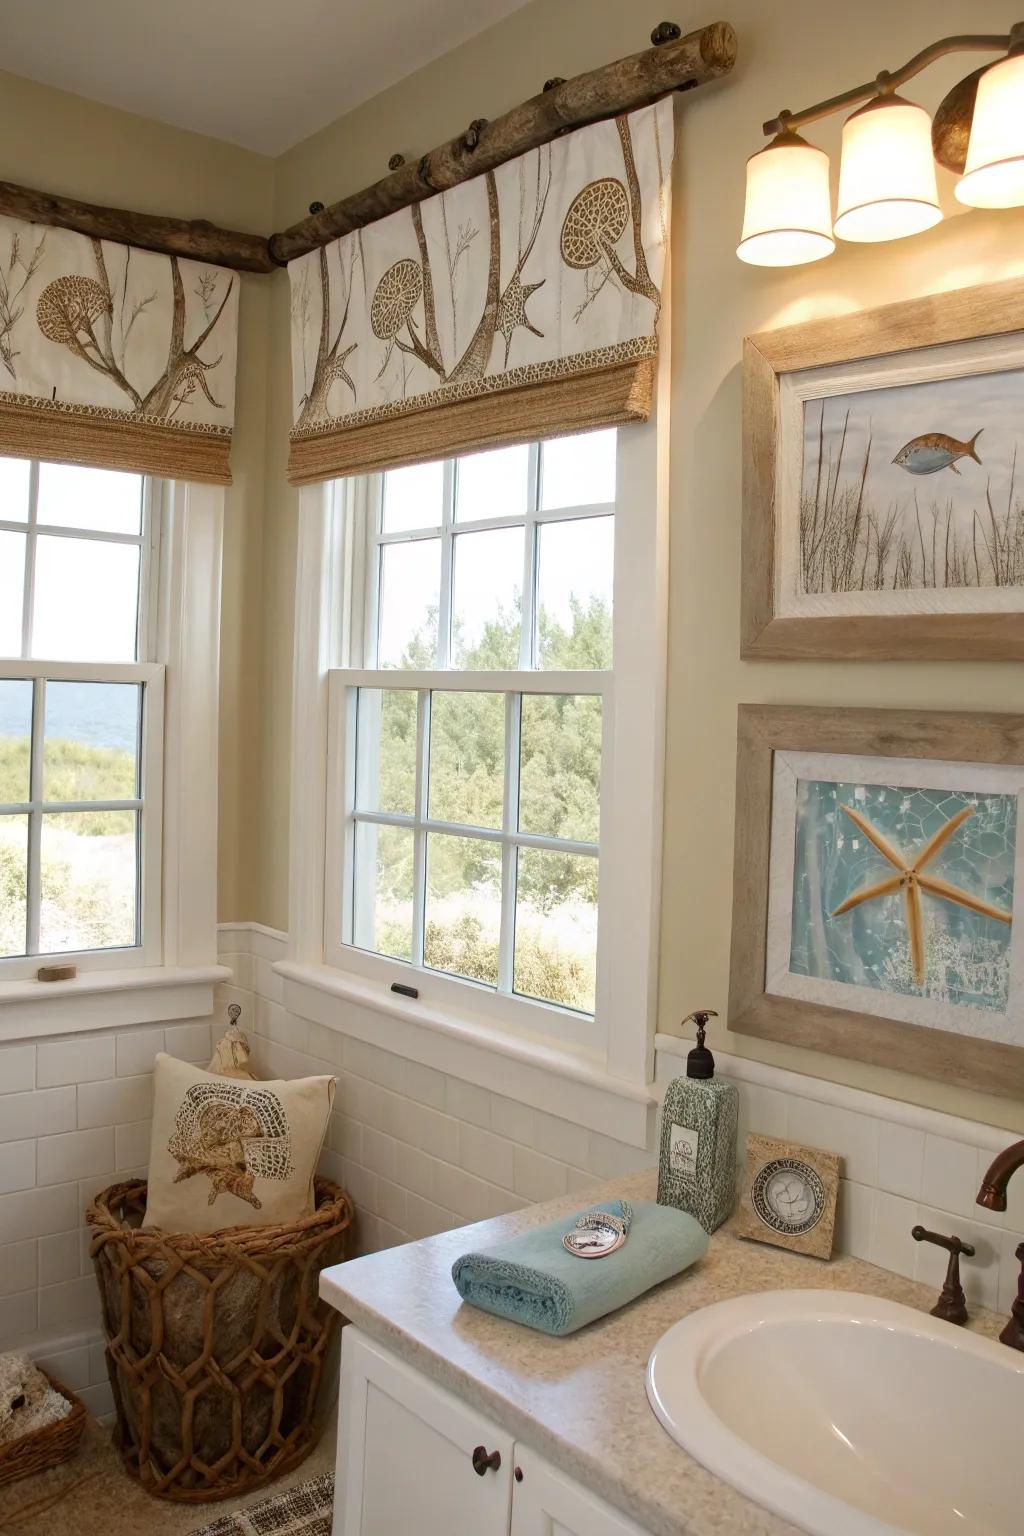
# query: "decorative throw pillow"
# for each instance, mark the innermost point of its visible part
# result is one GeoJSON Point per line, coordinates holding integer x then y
{"type": "Point", "coordinates": [229, 1153]}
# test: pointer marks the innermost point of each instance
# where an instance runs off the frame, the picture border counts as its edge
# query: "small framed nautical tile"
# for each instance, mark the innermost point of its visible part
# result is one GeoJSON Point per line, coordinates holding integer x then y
{"type": "Point", "coordinates": [878, 856]}
{"type": "Point", "coordinates": [789, 1196]}
{"type": "Point", "coordinates": [883, 500]}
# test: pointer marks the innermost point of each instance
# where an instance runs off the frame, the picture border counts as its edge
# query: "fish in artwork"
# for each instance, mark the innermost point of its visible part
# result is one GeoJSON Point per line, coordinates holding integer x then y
{"type": "Point", "coordinates": [934, 451]}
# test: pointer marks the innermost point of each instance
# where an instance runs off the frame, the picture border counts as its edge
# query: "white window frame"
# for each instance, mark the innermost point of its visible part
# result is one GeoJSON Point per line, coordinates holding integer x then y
{"type": "Point", "coordinates": [501, 1006]}
{"type": "Point", "coordinates": [342, 948]}
{"type": "Point", "coordinates": [41, 671]}
{"type": "Point", "coordinates": [147, 950]}
{"type": "Point", "coordinates": [173, 973]}
{"type": "Point", "coordinates": [330, 612]}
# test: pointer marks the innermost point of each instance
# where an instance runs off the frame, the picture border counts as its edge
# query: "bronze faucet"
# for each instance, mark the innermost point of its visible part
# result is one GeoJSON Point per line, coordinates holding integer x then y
{"type": "Point", "coordinates": [992, 1195]}
{"type": "Point", "coordinates": [952, 1304]}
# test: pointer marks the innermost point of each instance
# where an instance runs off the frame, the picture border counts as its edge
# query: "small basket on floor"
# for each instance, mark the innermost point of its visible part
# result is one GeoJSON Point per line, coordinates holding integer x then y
{"type": "Point", "coordinates": [47, 1446]}
{"type": "Point", "coordinates": [216, 1342]}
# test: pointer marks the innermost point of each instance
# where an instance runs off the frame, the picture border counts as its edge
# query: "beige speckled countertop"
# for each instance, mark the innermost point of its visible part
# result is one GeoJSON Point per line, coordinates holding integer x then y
{"type": "Point", "coordinates": [581, 1401]}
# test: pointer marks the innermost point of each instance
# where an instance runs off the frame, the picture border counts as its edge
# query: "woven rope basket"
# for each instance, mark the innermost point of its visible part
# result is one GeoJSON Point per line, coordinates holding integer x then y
{"type": "Point", "coordinates": [216, 1342]}
{"type": "Point", "coordinates": [45, 1447]}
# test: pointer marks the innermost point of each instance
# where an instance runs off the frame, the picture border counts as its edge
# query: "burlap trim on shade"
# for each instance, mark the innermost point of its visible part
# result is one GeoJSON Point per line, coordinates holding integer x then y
{"type": "Point", "coordinates": [547, 408]}
{"type": "Point", "coordinates": [110, 439]}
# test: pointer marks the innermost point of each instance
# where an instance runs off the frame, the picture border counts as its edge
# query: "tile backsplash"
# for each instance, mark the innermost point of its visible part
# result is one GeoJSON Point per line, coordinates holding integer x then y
{"type": "Point", "coordinates": [74, 1118]}
{"type": "Point", "coordinates": [902, 1165]}
{"type": "Point", "coordinates": [420, 1151]}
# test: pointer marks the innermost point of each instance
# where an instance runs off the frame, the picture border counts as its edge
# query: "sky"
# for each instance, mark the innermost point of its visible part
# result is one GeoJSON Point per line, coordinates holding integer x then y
{"type": "Point", "coordinates": [86, 590]}
{"type": "Point", "coordinates": [575, 557]}
{"type": "Point", "coordinates": [86, 596]}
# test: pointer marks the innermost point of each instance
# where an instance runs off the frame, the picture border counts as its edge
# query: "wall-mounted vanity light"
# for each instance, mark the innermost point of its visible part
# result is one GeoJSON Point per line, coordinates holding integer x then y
{"type": "Point", "coordinates": [887, 185]}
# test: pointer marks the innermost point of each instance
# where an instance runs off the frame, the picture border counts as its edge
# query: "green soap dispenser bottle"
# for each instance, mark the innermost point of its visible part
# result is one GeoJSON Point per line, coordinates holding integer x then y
{"type": "Point", "coordinates": [697, 1171]}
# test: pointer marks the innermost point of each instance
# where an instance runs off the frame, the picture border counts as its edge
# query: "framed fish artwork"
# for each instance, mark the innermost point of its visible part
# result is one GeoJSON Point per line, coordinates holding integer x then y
{"type": "Point", "coordinates": [879, 856]}
{"type": "Point", "coordinates": [883, 497]}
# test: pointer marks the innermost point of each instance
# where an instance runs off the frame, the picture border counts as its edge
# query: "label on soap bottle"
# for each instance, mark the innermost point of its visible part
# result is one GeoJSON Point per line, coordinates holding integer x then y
{"type": "Point", "coordinates": [682, 1151]}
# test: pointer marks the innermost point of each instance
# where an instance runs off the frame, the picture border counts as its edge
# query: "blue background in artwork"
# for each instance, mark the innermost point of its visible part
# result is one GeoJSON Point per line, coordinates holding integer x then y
{"type": "Point", "coordinates": [968, 953]}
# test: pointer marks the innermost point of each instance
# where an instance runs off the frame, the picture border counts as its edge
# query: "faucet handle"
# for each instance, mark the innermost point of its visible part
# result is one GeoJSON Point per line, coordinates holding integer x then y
{"type": "Point", "coordinates": [1013, 1333]}
{"type": "Point", "coordinates": [952, 1303]}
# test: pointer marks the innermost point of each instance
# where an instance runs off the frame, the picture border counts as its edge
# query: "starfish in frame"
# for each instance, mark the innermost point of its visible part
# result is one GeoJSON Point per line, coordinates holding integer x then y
{"type": "Point", "coordinates": [911, 879]}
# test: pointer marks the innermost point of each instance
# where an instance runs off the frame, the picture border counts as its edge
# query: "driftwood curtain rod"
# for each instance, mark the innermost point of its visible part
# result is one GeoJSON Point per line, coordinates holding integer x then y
{"type": "Point", "coordinates": [674, 63]}
{"type": "Point", "coordinates": [194, 238]}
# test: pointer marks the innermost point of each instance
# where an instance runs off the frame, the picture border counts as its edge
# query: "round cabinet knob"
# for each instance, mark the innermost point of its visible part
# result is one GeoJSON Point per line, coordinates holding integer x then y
{"type": "Point", "coordinates": [482, 1462]}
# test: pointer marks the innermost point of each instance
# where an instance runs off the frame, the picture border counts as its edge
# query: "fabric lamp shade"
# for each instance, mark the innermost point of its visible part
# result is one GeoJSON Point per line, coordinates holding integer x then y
{"type": "Point", "coordinates": [887, 185]}
{"type": "Point", "coordinates": [994, 172]}
{"type": "Point", "coordinates": [787, 218]}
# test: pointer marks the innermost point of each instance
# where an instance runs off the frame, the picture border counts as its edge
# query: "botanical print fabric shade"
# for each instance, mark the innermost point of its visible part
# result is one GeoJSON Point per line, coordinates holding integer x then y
{"type": "Point", "coordinates": [544, 271]}
{"type": "Point", "coordinates": [114, 356]}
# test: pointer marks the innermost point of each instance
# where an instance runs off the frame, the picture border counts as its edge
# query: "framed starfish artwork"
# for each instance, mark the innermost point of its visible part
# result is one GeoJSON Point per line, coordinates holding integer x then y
{"type": "Point", "coordinates": [883, 491]}
{"type": "Point", "coordinates": [878, 856]}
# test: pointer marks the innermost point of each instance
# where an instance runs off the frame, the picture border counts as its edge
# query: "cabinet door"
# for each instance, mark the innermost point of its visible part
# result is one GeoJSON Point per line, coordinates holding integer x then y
{"type": "Point", "coordinates": [405, 1453]}
{"type": "Point", "coordinates": [547, 1503]}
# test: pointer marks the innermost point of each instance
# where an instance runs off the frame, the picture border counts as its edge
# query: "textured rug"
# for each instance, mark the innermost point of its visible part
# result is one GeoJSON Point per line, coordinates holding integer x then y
{"type": "Point", "coordinates": [92, 1495]}
{"type": "Point", "coordinates": [301, 1511]}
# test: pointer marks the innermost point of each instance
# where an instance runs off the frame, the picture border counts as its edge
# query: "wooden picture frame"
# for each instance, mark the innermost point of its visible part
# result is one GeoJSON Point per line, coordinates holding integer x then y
{"type": "Point", "coordinates": [902, 1034]}
{"type": "Point", "coordinates": [789, 1199]}
{"type": "Point", "coordinates": [879, 349]}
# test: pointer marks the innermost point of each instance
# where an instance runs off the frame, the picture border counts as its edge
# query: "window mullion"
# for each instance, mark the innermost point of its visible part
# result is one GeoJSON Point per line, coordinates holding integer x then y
{"type": "Point", "coordinates": [509, 850]}
{"type": "Point", "coordinates": [444, 617]}
{"type": "Point", "coordinates": [419, 865]}
{"type": "Point", "coordinates": [145, 624]}
{"type": "Point", "coordinates": [370, 504]}
{"type": "Point", "coordinates": [528, 626]}
{"type": "Point", "coordinates": [29, 592]}
{"type": "Point", "coordinates": [89, 535]}
{"type": "Point", "coordinates": [35, 818]}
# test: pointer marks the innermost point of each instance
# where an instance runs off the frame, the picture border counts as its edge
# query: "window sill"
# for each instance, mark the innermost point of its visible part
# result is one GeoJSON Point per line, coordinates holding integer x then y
{"type": "Point", "coordinates": [99, 1000]}
{"type": "Point", "coordinates": [548, 1078]}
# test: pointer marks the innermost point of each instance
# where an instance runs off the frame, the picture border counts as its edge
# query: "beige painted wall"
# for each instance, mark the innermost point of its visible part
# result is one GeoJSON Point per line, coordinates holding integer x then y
{"type": "Point", "coordinates": [65, 144]}
{"type": "Point", "coordinates": [62, 142]}
{"type": "Point", "coordinates": [789, 56]}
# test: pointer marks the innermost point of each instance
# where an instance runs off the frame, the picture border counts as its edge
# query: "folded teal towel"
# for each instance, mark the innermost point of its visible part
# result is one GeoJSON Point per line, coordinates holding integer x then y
{"type": "Point", "coordinates": [532, 1279]}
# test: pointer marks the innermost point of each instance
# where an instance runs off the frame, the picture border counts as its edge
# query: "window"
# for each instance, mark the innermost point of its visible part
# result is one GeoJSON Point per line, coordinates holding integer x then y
{"type": "Point", "coordinates": [81, 717]}
{"type": "Point", "coordinates": [470, 742]}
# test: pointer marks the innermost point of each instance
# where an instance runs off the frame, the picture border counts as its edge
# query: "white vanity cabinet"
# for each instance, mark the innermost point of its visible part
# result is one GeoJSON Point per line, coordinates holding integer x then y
{"type": "Point", "coordinates": [408, 1458]}
{"type": "Point", "coordinates": [548, 1503]}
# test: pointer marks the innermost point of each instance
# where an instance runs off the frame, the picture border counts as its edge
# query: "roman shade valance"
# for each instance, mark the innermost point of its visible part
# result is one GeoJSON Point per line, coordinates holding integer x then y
{"type": "Point", "coordinates": [524, 302]}
{"type": "Point", "coordinates": [114, 356]}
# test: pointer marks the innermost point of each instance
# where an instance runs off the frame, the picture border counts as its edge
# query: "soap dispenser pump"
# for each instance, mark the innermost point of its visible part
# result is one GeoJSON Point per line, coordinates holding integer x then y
{"type": "Point", "coordinates": [697, 1171]}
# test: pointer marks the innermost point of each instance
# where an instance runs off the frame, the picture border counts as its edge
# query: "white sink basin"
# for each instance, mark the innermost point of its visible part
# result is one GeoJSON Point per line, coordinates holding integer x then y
{"type": "Point", "coordinates": [848, 1415]}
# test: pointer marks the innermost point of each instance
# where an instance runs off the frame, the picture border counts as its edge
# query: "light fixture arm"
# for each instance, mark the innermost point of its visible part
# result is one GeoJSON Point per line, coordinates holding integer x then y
{"type": "Point", "coordinates": [885, 82]}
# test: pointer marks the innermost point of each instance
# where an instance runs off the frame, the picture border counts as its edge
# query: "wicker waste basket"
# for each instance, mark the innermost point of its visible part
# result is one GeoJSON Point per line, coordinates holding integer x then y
{"type": "Point", "coordinates": [45, 1447]}
{"type": "Point", "coordinates": [216, 1342]}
